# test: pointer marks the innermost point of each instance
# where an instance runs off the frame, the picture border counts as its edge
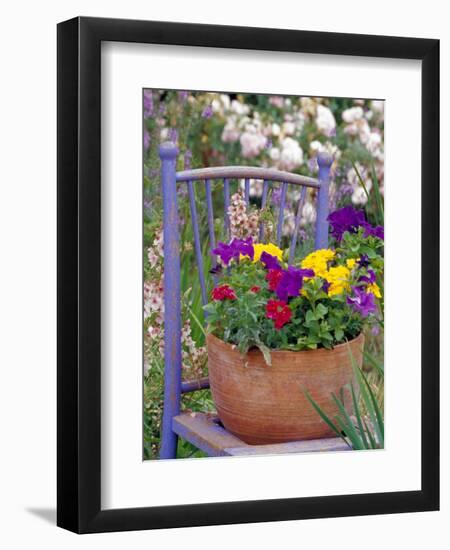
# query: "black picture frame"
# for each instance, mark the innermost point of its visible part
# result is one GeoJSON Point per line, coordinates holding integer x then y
{"type": "Point", "coordinates": [79, 280]}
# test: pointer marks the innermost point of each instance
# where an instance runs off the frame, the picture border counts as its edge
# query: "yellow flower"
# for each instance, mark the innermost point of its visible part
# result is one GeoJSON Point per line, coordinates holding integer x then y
{"type": "Point", "coordinates": [351, 263]}
{"type": "Point", "coordinates": [374, 289]}
{"type": "Point", "coordinates": [270, 248]}
{"type": "Point", "coordinates": [338, 279]}
{"type": "Point", "coordinates": [318, 261]}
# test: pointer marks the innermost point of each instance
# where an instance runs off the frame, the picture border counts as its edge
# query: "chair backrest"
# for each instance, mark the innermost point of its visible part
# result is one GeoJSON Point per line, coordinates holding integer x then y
{"type": "Point", "coordinates": [170, 179]}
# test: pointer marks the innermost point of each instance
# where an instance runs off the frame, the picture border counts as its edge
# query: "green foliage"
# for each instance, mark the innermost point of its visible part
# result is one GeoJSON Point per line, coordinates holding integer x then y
{"type": "Point", "coordinates": [363, 431]}
{"type": "Point", "coordinates": [319, 318]}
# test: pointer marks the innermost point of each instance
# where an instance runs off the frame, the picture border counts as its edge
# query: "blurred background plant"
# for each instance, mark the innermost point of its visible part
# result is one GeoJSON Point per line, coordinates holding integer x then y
{"type": "Point", "coordinates": [284, 132]}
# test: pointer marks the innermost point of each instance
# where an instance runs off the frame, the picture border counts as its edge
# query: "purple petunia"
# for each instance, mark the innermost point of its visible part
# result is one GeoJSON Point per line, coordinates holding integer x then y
{"type": "Point", "coordinates": [326, 285]}
{"type": "Point", "coordinates": [234, 249]}
{"type": "Point", "coordinates": [270, 262]}
{"type": "Point", "coordinates": [377, 231]}
{"type": "Point", "coordinates": [362, 302]}
{"type": "Point", "coordinates": [370, 278]}
{"type": "Point", "coordinates": [349, 219]}
{"type": "Point", "coordinates": [291, 282]}
{"type": "Point", "coordinates": [363, 261]}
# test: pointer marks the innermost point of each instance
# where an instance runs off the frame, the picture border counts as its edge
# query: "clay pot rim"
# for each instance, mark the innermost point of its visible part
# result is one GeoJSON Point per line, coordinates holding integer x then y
{"type": "Point", "coordinates": [253, 351]}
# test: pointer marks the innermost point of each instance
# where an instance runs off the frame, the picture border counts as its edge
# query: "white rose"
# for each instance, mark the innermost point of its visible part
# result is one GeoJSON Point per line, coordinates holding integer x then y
{"type": "Point", "coordinates": [239, 108]}
{"type": "Point", "coordinates": [252, 144]}
{"type": "Point", "coordinates": [352, 115]}
{"type": "Point", "coordinates": [289, 128]}
{"type": "Point", "coordinates": [315, 146]}
{"type": "Point", "coordinates": [378, 105]}
{"type": "Point", "coordinates": [216, 106]}
{"type": "Point", "coordinates": [291, 154]}
{"type": "Point", "coordinates": [230, 133]}
{"type": "Point", "coordinates": [359, 197]}
{"type": "Point", "coordinates": [276, 129]}
{"type": "Point", "coordinates": [225, 99]}
{"type": "Point", "coordinates": [274, 153]}
{"type": "Point", "coordinates": [325, 120]}
{"type": "Point", "coordinates": [374, 142]}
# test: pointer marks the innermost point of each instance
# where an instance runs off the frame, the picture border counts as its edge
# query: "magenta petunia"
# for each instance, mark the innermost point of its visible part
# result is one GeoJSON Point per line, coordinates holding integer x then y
{"type": "Point", "coordinates": [349, 219]}
{"type": "Point", "coordinates": [270, 262]}
{"type": "Point", "coordinates": [291, 282]}
{"type": "Point", "coordinates": [234, 249]}
{"type": "Point", "coordinates": [362, 302]}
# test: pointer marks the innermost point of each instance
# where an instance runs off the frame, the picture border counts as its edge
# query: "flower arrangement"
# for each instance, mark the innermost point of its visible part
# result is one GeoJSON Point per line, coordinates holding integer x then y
{"type": "Point", "coordinates": [323, 300]}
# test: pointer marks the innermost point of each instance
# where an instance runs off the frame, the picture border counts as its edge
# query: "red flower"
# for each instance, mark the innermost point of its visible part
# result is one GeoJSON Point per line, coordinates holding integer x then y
{"type": "Point", "coordinates": [223, 292]}
{"type": "Point", "coordinates": [255, 289]}
{"type": "Point", "coordinates": [274, 276]}
{"type": "Point", "coordinates": [279, 312]}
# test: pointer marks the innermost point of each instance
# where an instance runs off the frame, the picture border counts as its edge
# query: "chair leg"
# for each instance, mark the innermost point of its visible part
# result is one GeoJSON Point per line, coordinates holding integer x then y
{"type": "Point", "coordinates": [169, 439]}
{"type": "Point", "coordinates": [172, 301]}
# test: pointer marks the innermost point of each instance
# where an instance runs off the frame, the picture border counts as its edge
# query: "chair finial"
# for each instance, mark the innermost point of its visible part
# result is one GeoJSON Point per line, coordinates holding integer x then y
{"type": "Point", "coordinates": [324, 159]}
{"type": "Point", "coordinates": [168, 150]}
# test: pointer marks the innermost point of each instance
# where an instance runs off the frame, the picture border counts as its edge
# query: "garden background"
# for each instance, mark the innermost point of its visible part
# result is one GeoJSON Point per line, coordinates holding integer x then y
{"type": "Point", "coordinates": [283, 132]}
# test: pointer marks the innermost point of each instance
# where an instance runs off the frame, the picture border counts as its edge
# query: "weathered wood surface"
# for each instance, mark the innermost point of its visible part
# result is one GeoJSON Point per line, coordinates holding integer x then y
{"type": "Point", "coordinates": [311, 446]}
{"type": "Point", "coordinates": [246, 172]}
{"type": "Point", "coordinates": [205, 432]}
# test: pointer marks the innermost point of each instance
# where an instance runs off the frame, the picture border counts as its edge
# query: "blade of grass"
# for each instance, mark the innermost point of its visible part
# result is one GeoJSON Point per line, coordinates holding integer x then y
{"type": "Point", "coordinates": [379, 416]}
{"type": "Point", "coordinates": [355, 441]}
{"type": "Point", "coordinates": [378, 366]}
{"type": "Point", "coordinates": [358, 418]}
{"type": "Point", "coordinates": [348, 427]}
{"type": "Point", "coordinates": [361, 181]}
{"type": "Point", "coordinates": [369, 400]}
{"type": "Point", "coordinates": [324, 417]}
{"type": "Point", "coordinates": [373, 443]}
{"type": "Point", "coordinates": [363, 384]}
{"type": "Point", "coordinates": [376, 186]}
{"type": "Point", "coordinates": [196, 319]}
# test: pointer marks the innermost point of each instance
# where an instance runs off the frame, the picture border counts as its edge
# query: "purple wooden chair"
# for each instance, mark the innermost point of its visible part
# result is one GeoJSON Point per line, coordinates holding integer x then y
{"type": "Point", "coordinates": [203, 430]}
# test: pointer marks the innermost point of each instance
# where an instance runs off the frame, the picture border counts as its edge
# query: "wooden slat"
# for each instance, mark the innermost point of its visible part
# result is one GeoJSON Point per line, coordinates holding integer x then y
{"type": "Point", "coordinates": [298, 219]}
{"type": "Point", "coordinates": [312, 446]}
{"type": "Point", "coordinates": [204, 431]}
{"type": "Point", "coordinates": [251, 172]}
{"type": "Point", "coordinates": [197, 245]}
{"type": "Point", "coordinates": [247, 191]}
{"type": "Point", "coordinates": [226, 205]}
{"type": "Point", "coordinates": [281, 212]}
{"type": "Point", "coordinates": [201, 430]}
{"type": "Point", "coordinates": [263, 205]}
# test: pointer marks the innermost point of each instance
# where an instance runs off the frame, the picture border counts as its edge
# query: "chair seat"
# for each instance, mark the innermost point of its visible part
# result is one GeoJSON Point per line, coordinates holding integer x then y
{"type": "Point", "coordinates": [205, 431]}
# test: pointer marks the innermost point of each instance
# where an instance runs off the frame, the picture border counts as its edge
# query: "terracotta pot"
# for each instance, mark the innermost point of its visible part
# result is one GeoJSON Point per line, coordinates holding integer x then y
{"type": "Point", "coordinates": [264, 404]}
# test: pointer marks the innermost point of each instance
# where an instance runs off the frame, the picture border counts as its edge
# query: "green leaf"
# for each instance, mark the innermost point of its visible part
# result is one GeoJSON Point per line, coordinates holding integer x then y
{"type": "Point", "coordinates": [371, 405]}
{"type": "Point", "coordinates": [310, 317]}
{"type": "Point", "coordinates": [347, 424]}
{"type": "Point", "coordinates": [321, 311]}
{"type": "Point", "coordinates": [378, 365]}
{"type": "Point", "coordinates": [378, 199]}
{"type": "Point", "coordinates": [324, 416]}
{"type": "Point", "coordinates": [358, 418]}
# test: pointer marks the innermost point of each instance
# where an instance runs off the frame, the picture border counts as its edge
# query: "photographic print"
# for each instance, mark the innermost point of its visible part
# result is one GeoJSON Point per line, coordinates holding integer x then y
{"type": "Point", "coordinates": [221, 281]}
{"type": "Point", "coordinates": [277, 240]}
